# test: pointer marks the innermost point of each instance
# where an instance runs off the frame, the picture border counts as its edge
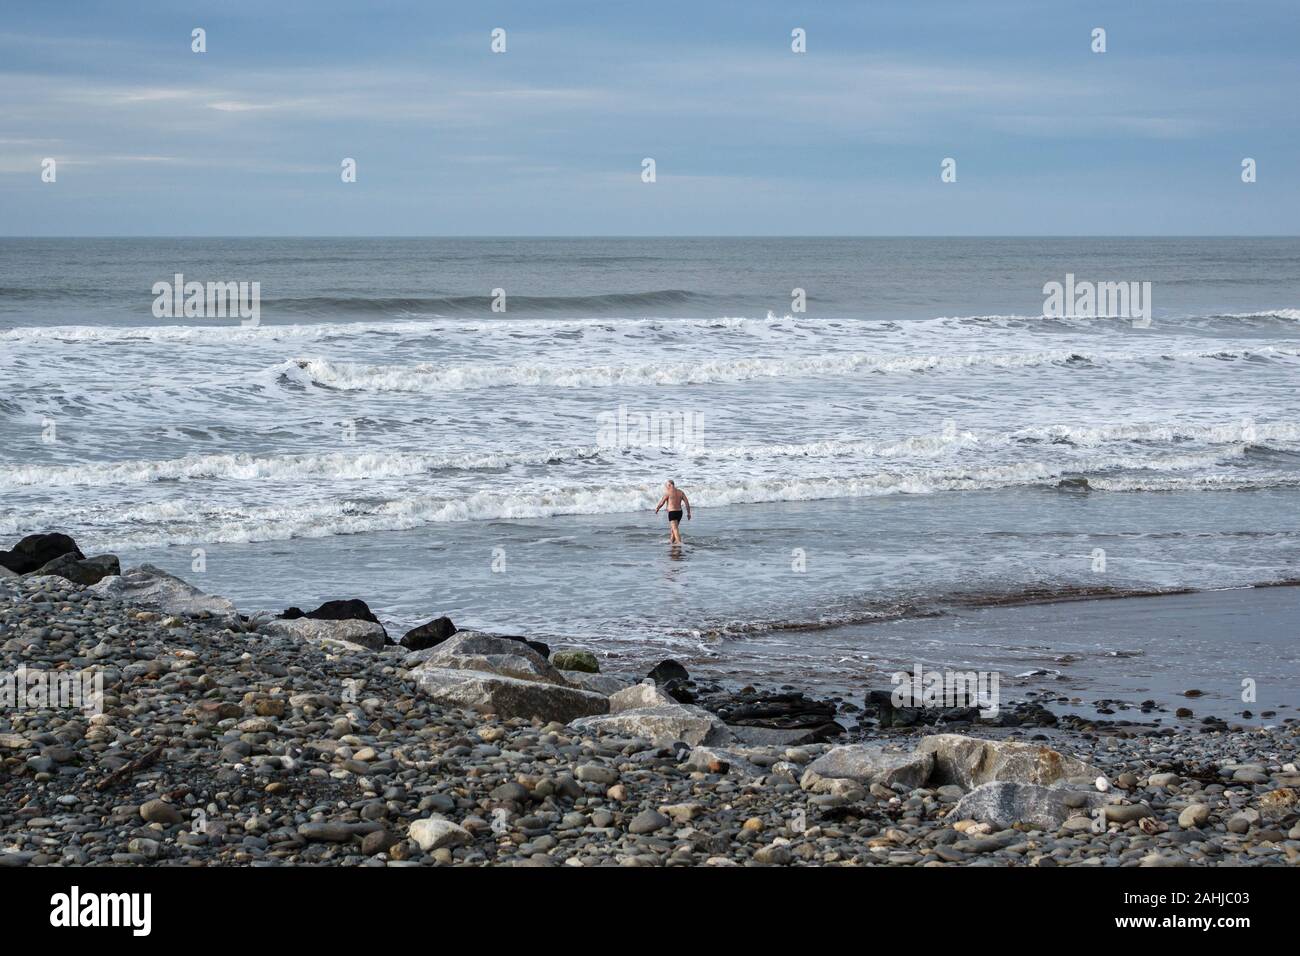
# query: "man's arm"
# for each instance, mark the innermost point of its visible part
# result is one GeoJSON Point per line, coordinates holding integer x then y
{"type": "Point", "coordinates": [661, 503]}
{"type": "Point", "coordinates": [687, 502]}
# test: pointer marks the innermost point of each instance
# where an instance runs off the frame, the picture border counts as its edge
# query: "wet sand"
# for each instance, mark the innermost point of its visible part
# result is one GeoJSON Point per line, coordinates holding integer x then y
{"type": "Point", "coordinates": [1070, 655]}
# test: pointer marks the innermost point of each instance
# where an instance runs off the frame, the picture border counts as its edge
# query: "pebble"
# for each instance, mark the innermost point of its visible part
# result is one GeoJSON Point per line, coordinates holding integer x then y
{"type": "Point", "coordinates": [1194, 815]}
{"type": "Point", "coordinates": [594, 773]}
{"type": "Point", "coordinates": [436, 833]}
{"type": "Point", "coordinates": [648, 821]}
{"type": "Point", "coordinates": [773, 855]}
{"type": "Point", "coordinates": [160, 811]}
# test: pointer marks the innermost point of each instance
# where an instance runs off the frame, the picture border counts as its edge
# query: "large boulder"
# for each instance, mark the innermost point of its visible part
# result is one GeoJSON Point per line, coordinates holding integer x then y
{"type": "Point", "coordinates": [969, 762]}
{"type": "Point", "coordinates": [429, 634]}
{"type": "Point", "coordinates": [83, 571]}
{"type": "Point", "coordinates": [329, 634]}
{"type": "Point", "coordinates": [506, 697]}
{"type": "Point", "coordinates": [153, 587]}
{"type": "Point", "coordinates": [866, 764]}
{"type": "Point", "coordinates": [1004, 803]}
{"type": "Point", "coordinates": [427, 638]}
{"type": "Point", "coordinates": [476, 651]}
{"type": "Point", "coordinates": [36, 550]}
{"type": "Point", "coordinates": [647, 712]}
{"type": "Point", "coordinates": [352, 609]}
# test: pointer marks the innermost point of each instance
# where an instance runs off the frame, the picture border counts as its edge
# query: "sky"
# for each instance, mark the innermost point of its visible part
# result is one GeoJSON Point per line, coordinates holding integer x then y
{"type": "Point", "coordinates": [748, 137]}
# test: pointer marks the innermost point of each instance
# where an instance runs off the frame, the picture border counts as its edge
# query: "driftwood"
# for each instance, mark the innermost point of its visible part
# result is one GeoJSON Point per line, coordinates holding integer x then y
{"type": "Point", "coordinates": [130, 769]}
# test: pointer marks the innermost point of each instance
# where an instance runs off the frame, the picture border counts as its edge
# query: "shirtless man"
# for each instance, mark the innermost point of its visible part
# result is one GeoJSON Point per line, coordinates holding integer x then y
{"type": "Point", "coordinates": [674, 498]}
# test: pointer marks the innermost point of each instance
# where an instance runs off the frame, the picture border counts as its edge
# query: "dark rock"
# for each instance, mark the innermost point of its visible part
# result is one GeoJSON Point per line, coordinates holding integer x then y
{"type": "Point", "coordinates": [349, 610]}
{"type": "Point", "coordinates": [679, 691]}
{"type": "Point", "coordinates": [813, 719]}
{"type": "Point", "coordinates": [880, 705]}
{"type": "Point", "coordinates": [668, 670]}
{"type": "Point", "coordinates": [428, 635]}
{"type": "Point", "coordinates": [87, 571]}
{"type": "Point", "coordinates": [36, 550]}
{"type": "Point", "coordinates": [377, 842]}
{"type": "Point", "coordinates": [538, 646]}
{"type": "Point", "coordinates": [792, 711]}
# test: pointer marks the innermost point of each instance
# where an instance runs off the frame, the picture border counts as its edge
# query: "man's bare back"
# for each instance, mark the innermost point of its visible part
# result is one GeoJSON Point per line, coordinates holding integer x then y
{"type": "Point", "coordinates": [675, 499]}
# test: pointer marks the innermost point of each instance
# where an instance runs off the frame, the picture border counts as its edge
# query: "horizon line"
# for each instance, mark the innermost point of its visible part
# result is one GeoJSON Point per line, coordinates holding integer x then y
{"type": "Point", "coordinates": [598, 235]}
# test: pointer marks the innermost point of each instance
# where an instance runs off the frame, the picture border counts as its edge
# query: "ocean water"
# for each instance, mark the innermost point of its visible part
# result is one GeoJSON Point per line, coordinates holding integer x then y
{"type": "Point", "coordinates": [920, 439]}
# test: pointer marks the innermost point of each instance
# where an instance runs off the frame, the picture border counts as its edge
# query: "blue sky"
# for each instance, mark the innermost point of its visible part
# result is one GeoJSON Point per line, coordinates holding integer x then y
{"type": "Point", "coordinates": [749, 138]}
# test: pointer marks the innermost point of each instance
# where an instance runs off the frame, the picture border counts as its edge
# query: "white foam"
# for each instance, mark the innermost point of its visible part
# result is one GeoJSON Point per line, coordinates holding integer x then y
{"type": "Point", "coordinates": [247, 467]}
{"type": "Point", "coordinates": [233, 333]}
{"type": "Point", "coordinates": [182, 520]}
{"type": "Point", "coordinates": [374, 464]}
{"type": "Point", "coordinates": [430, 378]}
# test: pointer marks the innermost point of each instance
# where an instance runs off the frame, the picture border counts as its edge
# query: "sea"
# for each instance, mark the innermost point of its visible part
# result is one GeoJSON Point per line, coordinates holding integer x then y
{"type": "Point", "coordinates": [881, 439]}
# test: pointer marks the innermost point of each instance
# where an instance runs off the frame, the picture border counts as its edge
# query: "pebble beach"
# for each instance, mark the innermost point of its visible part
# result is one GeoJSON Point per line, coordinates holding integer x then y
{"type": "Point", "coordinates": [224, 740]}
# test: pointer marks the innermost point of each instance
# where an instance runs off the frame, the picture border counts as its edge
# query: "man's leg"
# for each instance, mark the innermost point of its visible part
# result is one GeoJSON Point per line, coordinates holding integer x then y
{"type": "Point", "coordinates": [673, 534]}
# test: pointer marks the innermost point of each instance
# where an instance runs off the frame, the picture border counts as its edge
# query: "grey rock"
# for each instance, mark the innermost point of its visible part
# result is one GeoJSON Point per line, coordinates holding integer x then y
{"type": "Point", "coordinates": [507, 696]}
{"type": "Point", "coordinates": [153, 587]}
{"type": "Point", "coordinates": [1125, 813]}
{"type": "Point", "coordinates": [159, 811]}
{"type": "Point", "coordinates": [1003, 804]}
{"type": "Point", "coordinates": [357, 633]}
{"type": "Point", "coordinates": [595, 773]}
{"type": "Point", "coordinates": [648, 821]}
{"type": "Point", "coordinates": [773, 855]}
{"type": "Point", "coordinates": [476, 651]}
{"type": "Point", "coordinates": [867, 764]}
{"type": "Point", "coordinates": [606, 684]}
{"type": "Point", "coordinates": [645, 711]}
{"type": "Point", "coordinates": [327, 831]}
{"type": "Point", "coordinates": [149, 849]}
{"type": "Point", "coordinates": [639, 697]}
{"type": "Point", "coordinates": [969, 762]}
{"type": "Point", "coordinates": [660, 725]}
{"type": "Point", "coordinates": [436, 833]}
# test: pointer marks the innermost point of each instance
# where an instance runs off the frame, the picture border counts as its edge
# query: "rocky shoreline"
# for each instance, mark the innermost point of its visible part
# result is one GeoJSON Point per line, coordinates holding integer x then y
{"type": "Point", "coordinates": [313, 739]}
